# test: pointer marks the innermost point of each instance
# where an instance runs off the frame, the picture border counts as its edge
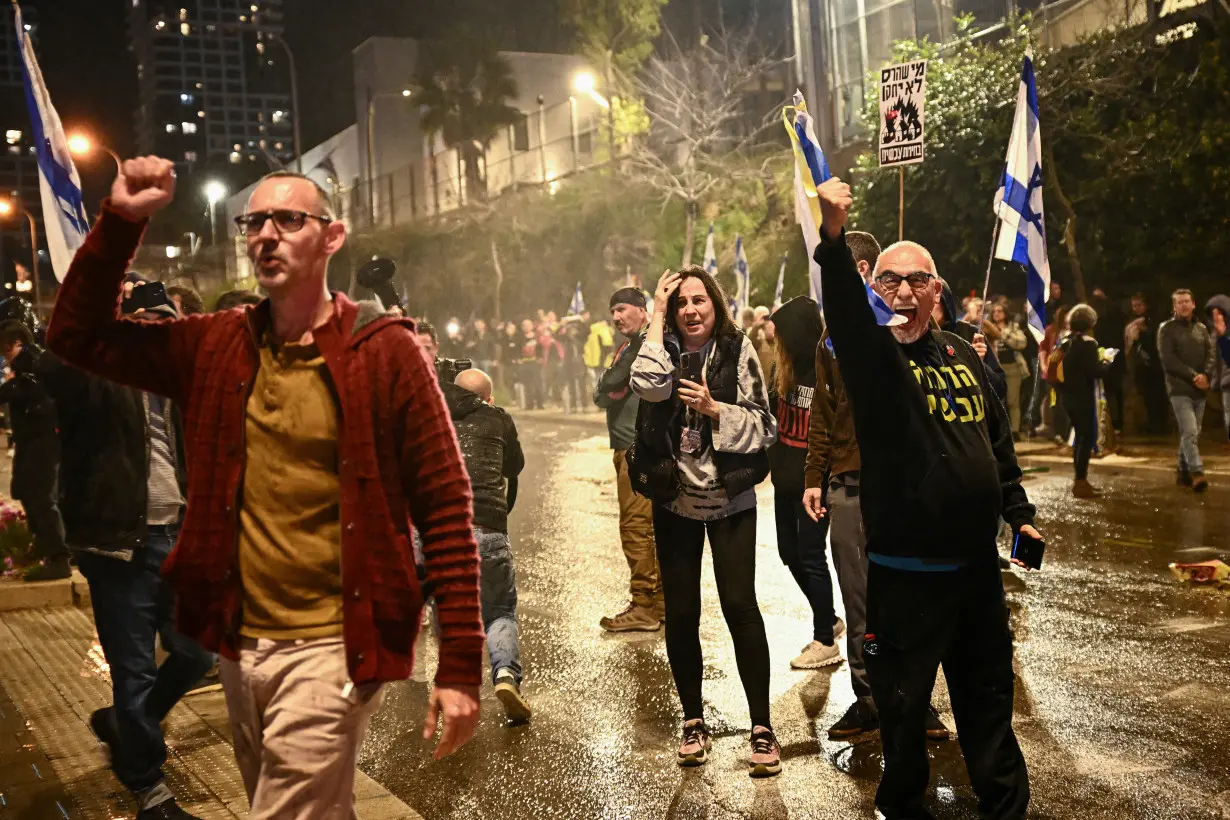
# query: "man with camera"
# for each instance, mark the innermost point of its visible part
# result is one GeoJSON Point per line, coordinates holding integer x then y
{"type": "Point", "coordinates": [938, 470]}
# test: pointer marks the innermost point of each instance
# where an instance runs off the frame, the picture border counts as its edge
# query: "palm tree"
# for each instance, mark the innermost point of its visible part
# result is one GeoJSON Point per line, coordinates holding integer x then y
{"type": "Point", "coordinates": [463, 85]}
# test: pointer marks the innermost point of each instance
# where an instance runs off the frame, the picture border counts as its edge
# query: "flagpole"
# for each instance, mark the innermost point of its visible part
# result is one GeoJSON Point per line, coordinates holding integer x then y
{"type": "Point", "coordinates": [986, 285]}
{"type": "Point", "coordinates": [901, 203]}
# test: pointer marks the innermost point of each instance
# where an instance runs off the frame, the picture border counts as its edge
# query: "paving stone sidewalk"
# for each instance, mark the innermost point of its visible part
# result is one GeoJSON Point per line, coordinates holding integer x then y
{"type": "Point", "coordinates": [52, 676]}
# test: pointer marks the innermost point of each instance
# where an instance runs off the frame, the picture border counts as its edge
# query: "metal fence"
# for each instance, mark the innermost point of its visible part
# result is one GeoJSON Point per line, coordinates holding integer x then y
{"type": "Point", "coordinates": [525, 157]}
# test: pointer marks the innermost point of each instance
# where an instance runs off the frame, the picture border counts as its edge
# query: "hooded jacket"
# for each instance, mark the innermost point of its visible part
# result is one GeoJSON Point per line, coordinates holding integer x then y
{"type": "Point", "coordinates": [492, 452]}
{"type": "Point", "coordinates": [399, 463]}
{"type": "Point", "coordinates": [799, 329]}
{"type": "Point", "coordinates": [1222, 303]}
{"type": "Point", "coordinates": [995, 370]}
{"type": "Point", "coordinates": [938, 465]}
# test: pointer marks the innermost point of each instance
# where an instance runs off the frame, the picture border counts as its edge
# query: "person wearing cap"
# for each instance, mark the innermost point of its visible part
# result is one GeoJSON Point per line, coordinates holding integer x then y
{"type": "Point", "coordinates": [123, 482]}
{"type": "Point", "coordinates": [645, 612]}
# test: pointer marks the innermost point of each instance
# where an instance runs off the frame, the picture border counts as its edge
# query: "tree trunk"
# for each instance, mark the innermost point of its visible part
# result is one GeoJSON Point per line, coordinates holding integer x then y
{"type": "Point", "coordinates": [476, 185]}
{"type": "Point", "coordinates": [1069, 228]}
{"type": "Point", "coordinates": [689, 234]}
{"type": "Point", "coordinates": [499, 278]}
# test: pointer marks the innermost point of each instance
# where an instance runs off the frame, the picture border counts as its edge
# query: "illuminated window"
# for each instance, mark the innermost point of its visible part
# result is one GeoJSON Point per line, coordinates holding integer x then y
{"type": "Point", "coordinates": [12, 136]}
{"type": "Point", "coordinates": [15, 149]}
{"type": "Point", "coordinates": [235, 158]}
{"type": "Point", "coordinates": [201, 114]}
{"type": "Point", "coordinates": [185, 29]}
{"type": "Point", "coordinates": [186, 99]}
{"type": "Point", "coordinates": [278, 116]}
{"type": "Point", "coordinates": [278, 146]}
{"type": "Point", "coordinates": [189, 127]}
{"type": "Point", "coordinates": [160, 25]}
{"type": "Point", "coordinates": [171, 128]}
{"type": "Point", "coordinates": [260, 48]}
{"type": "Point", "coordinates": [190, 156]}
{"type": "Point", "coordinates": [183, 14]}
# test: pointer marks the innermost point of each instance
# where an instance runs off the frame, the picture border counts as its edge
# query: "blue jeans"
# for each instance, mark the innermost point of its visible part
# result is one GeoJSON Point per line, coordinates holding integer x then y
{"type": "Point", "coordinates": [133, 605]}
{"type": "Point", "coordinates": [1189, 413]}
{"type": "Point", "coordinates": [498, 587]}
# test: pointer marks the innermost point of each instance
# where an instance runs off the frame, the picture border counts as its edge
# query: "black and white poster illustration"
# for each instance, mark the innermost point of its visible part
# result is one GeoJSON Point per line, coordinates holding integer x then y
{"type": "Point", "coordinates": [903, 90]}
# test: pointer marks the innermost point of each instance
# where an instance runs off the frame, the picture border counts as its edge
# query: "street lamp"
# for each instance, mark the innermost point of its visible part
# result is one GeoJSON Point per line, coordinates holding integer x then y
{"type": "Point", "coordinates": [371, 146]}
{"type": "Point", "coordinates": [584, 83]}
{"type": "Point", "coordinates": [7, 208]}
{"type": "Point", "coordinates": [83, 146]}
{"type": "Point", "coordinates": [215, 192]}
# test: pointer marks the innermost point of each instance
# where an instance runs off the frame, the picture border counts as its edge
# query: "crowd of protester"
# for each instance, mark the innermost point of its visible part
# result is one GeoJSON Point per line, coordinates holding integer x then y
{"type": "Point", "coordinates": [894, 444]}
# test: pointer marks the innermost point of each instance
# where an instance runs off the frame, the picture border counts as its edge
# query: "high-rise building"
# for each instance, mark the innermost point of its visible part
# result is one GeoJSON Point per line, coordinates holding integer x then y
{"type": "Point", "coordinates": [18, 159]}
{"type": "Point", "coordinates": [213, 82]}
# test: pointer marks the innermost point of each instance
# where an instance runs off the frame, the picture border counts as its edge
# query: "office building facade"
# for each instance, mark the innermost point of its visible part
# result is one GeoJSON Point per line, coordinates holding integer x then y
{"type": "Point", "coordinates": [213, 82]}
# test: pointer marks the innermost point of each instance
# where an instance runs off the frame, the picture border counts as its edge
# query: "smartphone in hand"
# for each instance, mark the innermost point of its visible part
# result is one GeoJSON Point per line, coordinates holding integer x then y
{"type": "Point", "coordinates": [1028, 550]}
{"type": "Point", "coordinates": [690, 365]}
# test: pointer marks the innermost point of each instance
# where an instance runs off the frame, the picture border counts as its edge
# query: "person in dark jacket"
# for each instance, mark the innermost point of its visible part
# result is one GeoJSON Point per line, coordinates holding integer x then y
{"type": "Point", "coordinates": [945, 313]}
{"type": "Point", "coordinates": [938, 472]}
{"type": "Point", "coordinates": [1189, 359]}
{"type": "Point", "coordinates": [1144, 365]}
{"type": "Point", "coordinates": [800, 538]}
{"type": "Point", "coordinates": [36, 445]}
{"type": "Point", "coordinates": [1083, 364]}
{"type": "Point", "coordinates": [646, 610]}
{"type": "Point", "coordinates": [1218, 311]}
{"type": "Point", "coordinates": [124, 482]}
{"type": "Point", "coordinates": [493, 456]}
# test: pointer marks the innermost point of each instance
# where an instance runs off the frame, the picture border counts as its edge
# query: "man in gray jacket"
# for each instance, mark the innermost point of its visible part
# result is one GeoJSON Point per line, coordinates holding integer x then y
{"type": "Point", "coordinates": [1189, 359]}
{"type": "Point", "coordinates": [646, 611]}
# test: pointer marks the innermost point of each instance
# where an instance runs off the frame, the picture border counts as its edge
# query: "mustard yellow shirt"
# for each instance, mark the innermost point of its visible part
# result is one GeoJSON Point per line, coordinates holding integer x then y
{"type": "Point", "coordinates": [290, 518]}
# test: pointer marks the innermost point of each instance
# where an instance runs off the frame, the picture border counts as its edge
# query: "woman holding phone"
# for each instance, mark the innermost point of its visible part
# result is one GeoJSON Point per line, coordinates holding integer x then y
{"type": "Point", "coordinates": [699, 454]}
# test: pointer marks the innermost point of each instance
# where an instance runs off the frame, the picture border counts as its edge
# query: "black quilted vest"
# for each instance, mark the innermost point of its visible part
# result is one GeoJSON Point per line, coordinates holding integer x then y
{"type": "Point", "coordinates": [659, 426]}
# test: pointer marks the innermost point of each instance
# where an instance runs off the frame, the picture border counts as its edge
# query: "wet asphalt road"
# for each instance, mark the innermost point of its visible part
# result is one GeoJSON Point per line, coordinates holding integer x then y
{"type": "Point", "coordinates": [1122, 698]}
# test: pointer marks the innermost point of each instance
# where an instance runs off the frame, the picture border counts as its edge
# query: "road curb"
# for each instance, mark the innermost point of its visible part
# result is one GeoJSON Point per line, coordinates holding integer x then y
{"type": "Point", "coordinates": [16, 594]}
{"type": "Point", "coordinates": [1112, 468]}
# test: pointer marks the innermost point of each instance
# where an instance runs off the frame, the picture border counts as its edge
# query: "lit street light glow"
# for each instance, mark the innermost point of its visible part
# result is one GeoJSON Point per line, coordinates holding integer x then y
{"type": "Point", "coordinates": [79, 144]}
{"type": "Point", "coordinates": [215, 192]}
{"type": "Point", "coordinates": [583, 83]}
{"type": "Point", "coordinates": [6, 207]}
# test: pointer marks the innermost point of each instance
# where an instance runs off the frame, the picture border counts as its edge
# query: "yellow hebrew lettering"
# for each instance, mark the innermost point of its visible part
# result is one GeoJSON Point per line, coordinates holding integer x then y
{"type": "Point", "coordinates": [952, 377]}
{"type": "Point", "coordinates": [931, 403]}
{"type": "Point", "coordinates": [935, 378]}
{"type": "Point", "coordinates": [967, 375]}
{"type": "Point", "coordinates": [946, 410]}
{"type": "Point", "coordinates": [964, 404]}
{"type": "Point", "coordinates": [979, 407]}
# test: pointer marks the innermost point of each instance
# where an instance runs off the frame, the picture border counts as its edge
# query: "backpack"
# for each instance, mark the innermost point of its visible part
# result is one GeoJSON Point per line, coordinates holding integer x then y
{"type": "Point", "coordinates": [1054, 365]}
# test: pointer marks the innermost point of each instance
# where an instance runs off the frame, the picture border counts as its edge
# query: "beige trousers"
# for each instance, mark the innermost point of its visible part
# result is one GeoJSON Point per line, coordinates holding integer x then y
{"type": "Point", "coordinates": [297, 722]}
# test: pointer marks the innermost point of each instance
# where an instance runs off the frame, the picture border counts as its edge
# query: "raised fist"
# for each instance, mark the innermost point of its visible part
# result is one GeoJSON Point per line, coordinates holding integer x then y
{"type": "Point", "coordinates": [144, 186]}
{"type": "Point", "coordinates": [835, 202]}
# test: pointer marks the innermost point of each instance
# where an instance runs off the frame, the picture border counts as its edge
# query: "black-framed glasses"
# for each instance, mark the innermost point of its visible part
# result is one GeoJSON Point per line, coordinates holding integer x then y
{"type": "Point", "coordinates": [285, 220]}
{"type": "Point", "coordinates": [891, 281]}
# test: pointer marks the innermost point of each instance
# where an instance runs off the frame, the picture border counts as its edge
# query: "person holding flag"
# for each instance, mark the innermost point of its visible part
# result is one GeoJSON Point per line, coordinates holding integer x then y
{"type": "Point", "coordinates": [938, 470]}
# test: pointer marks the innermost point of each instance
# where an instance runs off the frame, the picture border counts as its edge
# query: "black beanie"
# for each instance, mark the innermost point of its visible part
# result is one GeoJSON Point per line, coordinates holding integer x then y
{"type": "Point", "coordinates": [628, 296]}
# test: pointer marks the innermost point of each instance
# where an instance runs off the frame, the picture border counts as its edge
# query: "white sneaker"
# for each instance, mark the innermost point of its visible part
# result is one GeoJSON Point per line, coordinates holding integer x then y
{"type": "Point", "coordinates": [509, 694]}
{"type": "Point", "coordinates": [816, 655]}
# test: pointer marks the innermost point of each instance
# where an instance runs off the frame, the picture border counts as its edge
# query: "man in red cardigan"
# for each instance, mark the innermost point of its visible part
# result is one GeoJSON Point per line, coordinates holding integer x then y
{"type": "Point", "coordinates": [316, 438]}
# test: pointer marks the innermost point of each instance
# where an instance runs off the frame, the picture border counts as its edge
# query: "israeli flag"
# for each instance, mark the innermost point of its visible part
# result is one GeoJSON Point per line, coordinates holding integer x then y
{"type": "Point", "coordinates": [781, 283]}
{"type": "Point", "coordinates": [810, 170]}
{"type": "Point", "coordinates": [64, 219]}
{"type": "Point", "coordinates": [1018, 202]}
{"type": "Point", "coordinates": [743, 277]}
{"type": "Point", "coordinates": [710, 262]}
{"type": "Point", "coordinates": [577, 306]}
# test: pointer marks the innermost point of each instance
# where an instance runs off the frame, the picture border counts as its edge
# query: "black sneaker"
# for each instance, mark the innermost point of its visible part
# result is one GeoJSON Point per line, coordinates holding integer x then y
{"type": "Point", "coordinates": [102, 724]}
{"type": "Point", "coordinates": [860, 717]}
{"type": "Point", "coordinates": [936, 730]}
{"type": "Point", "coordinates": [54, 569]}
{"type": "Point", "coordinates": [166, 810]}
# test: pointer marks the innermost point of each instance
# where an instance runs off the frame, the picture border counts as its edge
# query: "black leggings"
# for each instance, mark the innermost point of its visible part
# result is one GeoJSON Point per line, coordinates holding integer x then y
{"type": "Point", "coordinates": [732, 540]}
{"type": "Point", "coordinates": [1084, 415]}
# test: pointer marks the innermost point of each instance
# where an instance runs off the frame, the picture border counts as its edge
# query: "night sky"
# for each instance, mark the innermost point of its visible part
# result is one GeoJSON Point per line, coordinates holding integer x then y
{"type": "Point", "coordinates": [83, 51]}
